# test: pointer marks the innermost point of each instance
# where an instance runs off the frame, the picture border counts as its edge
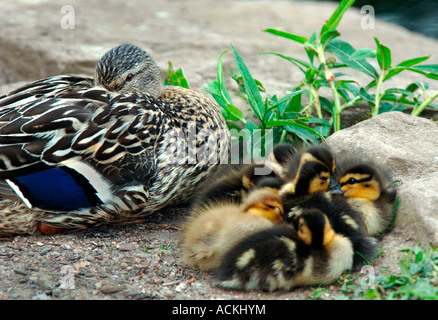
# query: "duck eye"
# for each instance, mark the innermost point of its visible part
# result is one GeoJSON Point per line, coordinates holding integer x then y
{"type": "Point", "coordinates": [351, 180]}
{"type": "Point", "coordinates": [129, 77]}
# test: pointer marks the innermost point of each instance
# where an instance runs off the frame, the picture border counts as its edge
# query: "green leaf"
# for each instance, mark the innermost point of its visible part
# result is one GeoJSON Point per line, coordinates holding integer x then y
{"type": "Point", "coordinates": [319, 121]}
{"type": "Point", "coordinates": [367, 97]}
{"type": "Point", "coordinates": [333, 21]}
{"type": "Point", "coordinates": [399, 68]}
{"type": "Point", "coordinates": [220, 78]}
{"type": "Point", "coordinates": [431, 68]}
{"type": "Point", "coordinates": [252, 91]}
{"type": "Point", "coordinates": [250, 125]}
{"type": "Point", "coordinates": [305, 133]}
{"type": "Point", "coordinates": [429, 75]}
{"type": "Point", "coordinates": [236, 112]}
{"type": "Point", "coordinates": [290, 36]}
{"type": "Point", "coordinates": [383, 55]}
{"type": "Point", "coordinates": [400, 91]}
{"type": "Point", "coordinates": [294, 104]}
{"type": "Point", "coordinates": [343, 50]}
{"type": "Point", "coordinates": [280, 123]}
{"type": "Point", "coordinates": [286, 98]}
{"type": "Point", "coordinates": [363, 53]}
{"type": "Point", "coordinates": [328, 36]}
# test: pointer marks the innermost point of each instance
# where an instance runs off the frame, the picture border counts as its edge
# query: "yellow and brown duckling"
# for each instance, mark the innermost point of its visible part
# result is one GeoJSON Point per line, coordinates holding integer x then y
{"type": "Point", "coordinates": [368, 190]}
{"type": "Point", "coordinates": [284, 167]}
{"type": "Point", "coordinates": [345, 219]}
{"type": "Point", "coordinates": [284, 256]}
{"type": "Point", "coordinates": [78, 152]}
{"type": "Point", "coordinates": [211, 230]}
{"type": "Point", "coordinates": [299, 171]}
{"type": "Point", "coordinates": [232, 182]}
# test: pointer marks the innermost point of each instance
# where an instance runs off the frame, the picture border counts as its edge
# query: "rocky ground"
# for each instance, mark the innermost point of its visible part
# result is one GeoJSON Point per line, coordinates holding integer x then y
{"type": "Point", "coordinates": [124, 262]}
{"type": "Point", "coordinates": [142, 261]}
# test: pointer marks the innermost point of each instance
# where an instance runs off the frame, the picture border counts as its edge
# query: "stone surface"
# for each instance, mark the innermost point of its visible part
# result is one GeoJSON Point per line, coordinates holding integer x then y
{"type": "Point", "coordinates": [408, 146]}
{"type": "Point", "coordinates": [191, 34]}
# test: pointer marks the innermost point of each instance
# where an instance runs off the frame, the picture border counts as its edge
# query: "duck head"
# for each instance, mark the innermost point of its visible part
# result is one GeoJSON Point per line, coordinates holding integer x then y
{"type": "Point", "coordinates": [127, 68]}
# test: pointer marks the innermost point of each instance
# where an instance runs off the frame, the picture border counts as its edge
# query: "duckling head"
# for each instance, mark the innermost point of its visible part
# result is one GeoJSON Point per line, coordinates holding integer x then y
{"type": "Point", "coordinates": [314, 228]}
{"type": "Point", "coordinates": [321, 154]}
{"type": "Point", "coordinates": [279, 157]}
{"type": "Point", "coordinates": [312, 177]}
{"type": "Point", "coordinates": [127, 68]}
{"type": "Point", "coordinates": [360, 181]}
{"type": "Point", "coordinates": [264, 202]}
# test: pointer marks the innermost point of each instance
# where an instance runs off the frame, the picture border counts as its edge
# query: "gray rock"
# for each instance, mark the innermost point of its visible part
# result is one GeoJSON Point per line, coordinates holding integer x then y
{"type": "Point", "coordinates": [45, 282]}
{"type": "Point", "coordinates": [111, 288]}
{"type": "Point", "coordinates": [408, 146]}
{"type": "Point", "coordinates": [419, 209]}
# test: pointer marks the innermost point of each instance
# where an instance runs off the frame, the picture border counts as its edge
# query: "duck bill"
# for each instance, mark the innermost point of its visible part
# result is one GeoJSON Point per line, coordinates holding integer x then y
{"type": "Point", "coordinates": [335, 187]}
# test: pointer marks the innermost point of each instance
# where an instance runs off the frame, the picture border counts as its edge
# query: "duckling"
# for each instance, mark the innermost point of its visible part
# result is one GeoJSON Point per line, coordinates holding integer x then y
{"type": "Point", "coordinates": [233, 181]}
{"type": "Point", "coordinates": [80, 152]}
{"type": "Point", "coordinates": [345, 219]}
{"type": "Point", "coordinates": [300, 166]}
{"type": "Point", "coordinates": [367, 189]}
{"type": "Point", "coordinates": [211, 231]}
{"type": "Point", "coordinates": [279, 156]}
{"type": "Point", "coordinates": [284, 256]}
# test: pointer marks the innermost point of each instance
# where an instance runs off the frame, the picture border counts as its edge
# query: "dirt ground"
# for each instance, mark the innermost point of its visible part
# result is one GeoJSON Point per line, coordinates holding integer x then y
{"type": "Point", "coordinates": [134, 262]}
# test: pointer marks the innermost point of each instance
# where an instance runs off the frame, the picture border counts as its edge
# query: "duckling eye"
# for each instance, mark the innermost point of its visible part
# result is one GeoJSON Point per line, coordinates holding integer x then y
{"type": "Point", "coordinates": [351, 181]}
{"type": "Point", "coordinates": [276, 209]}
{"type": "Point", "coordinates": [129, 77]}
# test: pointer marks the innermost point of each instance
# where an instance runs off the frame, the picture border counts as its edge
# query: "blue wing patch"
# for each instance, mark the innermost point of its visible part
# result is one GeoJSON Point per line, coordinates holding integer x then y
{"type": "Point", "coordinates": [59, 189]}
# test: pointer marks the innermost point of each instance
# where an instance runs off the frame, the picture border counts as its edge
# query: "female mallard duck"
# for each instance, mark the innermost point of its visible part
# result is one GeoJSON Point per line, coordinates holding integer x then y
{"type": "Point", "coordinates": [211, 230]}
{"type": "Point", "coordinates": [283, 257]}
{"type": "Point", "coordinates": [367, 189]}
{"type": "Point", "coordinates": [77, 153]}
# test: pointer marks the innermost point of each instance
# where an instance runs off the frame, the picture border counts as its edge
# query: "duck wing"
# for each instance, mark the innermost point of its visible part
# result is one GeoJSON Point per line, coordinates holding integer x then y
{"type": "Point", "coordinates": [75, 135]}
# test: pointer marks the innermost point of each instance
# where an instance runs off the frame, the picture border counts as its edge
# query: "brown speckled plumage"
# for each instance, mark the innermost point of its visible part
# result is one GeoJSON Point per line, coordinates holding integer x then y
{"type": "Point", "coordinates": [123, 134]}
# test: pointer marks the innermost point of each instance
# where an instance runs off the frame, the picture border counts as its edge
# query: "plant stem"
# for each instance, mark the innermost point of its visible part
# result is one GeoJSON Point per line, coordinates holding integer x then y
{"type": "Point", "coordinates": [424, 104]}
{"type": "Point", "coordinates": [379, 82]}
{"type": "Point", "coordinates": [351, 103]}
{"type": "Point", "coordinates": [283, 136]}
{"type": "Point", "coordinates": [336, 100]}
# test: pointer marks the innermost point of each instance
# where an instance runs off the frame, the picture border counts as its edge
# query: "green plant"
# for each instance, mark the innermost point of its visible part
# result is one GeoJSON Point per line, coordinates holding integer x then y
{"type": "Point", "coordinates": [301, 114]}
{"type": "Point", "coordinates": [288, 124]}
{"type": "Point", "coordinates": [319, 72]}
{"type": "Point", "coordinates": [166, 248]}
{"type": "Point", "coordinates": [144, 247]}
{"type": "Point", "coordinates": [176, 77]}
{"type": "Point", "coordinates": [418, 278]}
